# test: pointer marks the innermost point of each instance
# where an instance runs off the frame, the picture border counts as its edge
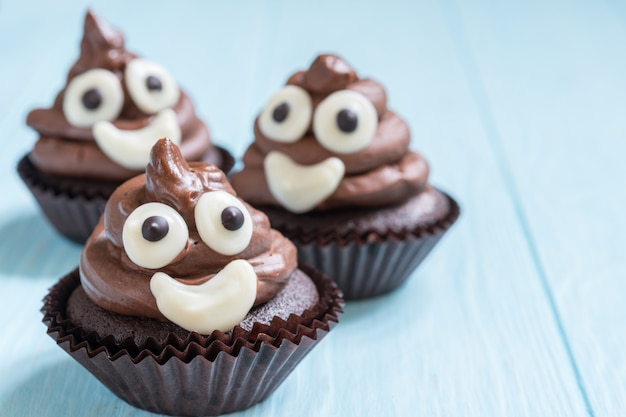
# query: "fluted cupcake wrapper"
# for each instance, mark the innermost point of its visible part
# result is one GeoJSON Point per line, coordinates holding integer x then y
{"type": "Point", "coordinates": [75, 210]}
{"type": "Point", "coordinates": [201, 375]}
{"type": "Point", "coordinates": [200, 387]}
{"type": "Point", "coordinates": [223, 159]}
{"type": "Point", "coordinates": [377, 265]}
{"type": "Point", "coordinates": [73, 215]}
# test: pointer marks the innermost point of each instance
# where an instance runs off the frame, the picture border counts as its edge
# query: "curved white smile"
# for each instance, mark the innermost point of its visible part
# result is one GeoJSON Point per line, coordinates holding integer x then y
{"type": "Point", "coordinates": [131, 148]}
{"type": "Point", "coordinates": [219, 304]}
{"type": "Point", "coordinates": [299, 188]}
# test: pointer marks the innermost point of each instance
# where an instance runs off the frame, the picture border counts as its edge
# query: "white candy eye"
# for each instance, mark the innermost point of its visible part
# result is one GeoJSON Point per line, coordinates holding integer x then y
{"type": "Point", "coordinates": [93, 96]}
{"type": "Point", "coordinates": [287, 115]}
{"type": "Point", "coordinates": [151, 86]}
{"type": "Point", "coordinates": [223, 222]}
{"type": "Point", "coordinates": [154, 235]}
{"type": "Point", "coordinates": [345, 122]}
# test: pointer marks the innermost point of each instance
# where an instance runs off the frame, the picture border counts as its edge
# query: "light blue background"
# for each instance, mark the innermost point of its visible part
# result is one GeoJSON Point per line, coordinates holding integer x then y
{"type": "Point", "coordinates": [520, 108]}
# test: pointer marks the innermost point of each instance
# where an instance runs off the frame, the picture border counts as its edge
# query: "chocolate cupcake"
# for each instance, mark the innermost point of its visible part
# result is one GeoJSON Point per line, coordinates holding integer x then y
{"type": "Point", "coordinates": [184, 285]}
{"type": "Point", "coordinates": [332, 169]}
{"type": "Point", "coordinates": [99, 131]}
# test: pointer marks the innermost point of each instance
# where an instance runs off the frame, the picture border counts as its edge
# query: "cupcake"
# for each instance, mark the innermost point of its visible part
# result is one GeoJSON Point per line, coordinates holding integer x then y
{"type": "Point", "coordinates": [186, 302]}
{"type": "Point", "coordinates": [331, 167]}
{"type": "Point", "coordinates": [100, 128]}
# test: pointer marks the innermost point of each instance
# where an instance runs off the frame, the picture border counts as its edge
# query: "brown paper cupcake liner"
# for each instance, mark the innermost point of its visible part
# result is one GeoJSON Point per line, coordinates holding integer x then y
{"type": "Point", "coordinates": [200, 375]}
{"type": "Point", "coordinates": [74, 207]}
{"type": "Point", "coordinates": [73, 215]}
{"type": "Point", "coordinates": [368, 266]}
{"type": "Point", "coordinates": [225, 160]}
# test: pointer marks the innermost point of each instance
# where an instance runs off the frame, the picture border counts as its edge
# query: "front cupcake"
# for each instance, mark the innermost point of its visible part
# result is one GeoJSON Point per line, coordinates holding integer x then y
{"type": "Point", "coordinates": [183, 283]}
{"type": "Point", "coordinates": [99, 131]}
{"type": "Point", "coordinates": [332, 169]}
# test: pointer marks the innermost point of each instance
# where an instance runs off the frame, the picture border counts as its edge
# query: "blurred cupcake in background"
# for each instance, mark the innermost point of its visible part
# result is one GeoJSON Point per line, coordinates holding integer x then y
{"type": "Point", "coordinates": [331, 167]}
{"type": "Point", "coordinates": [101, 126]}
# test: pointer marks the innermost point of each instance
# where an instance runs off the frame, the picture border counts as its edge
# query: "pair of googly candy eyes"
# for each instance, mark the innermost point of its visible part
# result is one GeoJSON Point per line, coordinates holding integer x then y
{"type": "Point", "coordinates": [155, 234]}
{"type": "Point", "coordinates": [344, 122]}
{"type": "Point", "coordinates": [98, 94]}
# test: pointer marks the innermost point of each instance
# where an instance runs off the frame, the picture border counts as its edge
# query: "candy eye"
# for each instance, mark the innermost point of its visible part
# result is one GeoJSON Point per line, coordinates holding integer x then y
{"type": "Point", "coordinates": [223, 222]}
{"type": "Point", "coordinates": [151, 86]}
{"type": "Point", "coordinates": [287, 115]}
{"type": "Point", "coordinates": [93, 96]}
{"type": "Point", "coordinates": [154, 235]}
{"type": "Point", "coordinates": [345, 122]}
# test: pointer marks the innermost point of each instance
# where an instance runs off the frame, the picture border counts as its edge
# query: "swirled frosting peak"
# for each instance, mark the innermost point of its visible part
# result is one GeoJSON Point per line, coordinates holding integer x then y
{"type": "Point", "coordinates": [110, 112]}
{"type": "Point", "coordinates": [99, 37]}
{"type": "Point", "coordinates": [177, 244]}
{"type": "Point", "coordinates": [327, 140]}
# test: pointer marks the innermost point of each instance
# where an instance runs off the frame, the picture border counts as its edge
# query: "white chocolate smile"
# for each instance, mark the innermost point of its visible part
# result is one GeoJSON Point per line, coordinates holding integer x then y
{"type": "Point", "coordinates": [219, 304]}
{"type": "Point", "coordinates": [131, 148]}
{"type": "Point", "coordinates": [299, 188]}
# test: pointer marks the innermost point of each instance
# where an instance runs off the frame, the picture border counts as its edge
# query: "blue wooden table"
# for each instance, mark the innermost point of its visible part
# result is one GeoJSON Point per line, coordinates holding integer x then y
{"type": "Point", "coordinates": [520, 108]}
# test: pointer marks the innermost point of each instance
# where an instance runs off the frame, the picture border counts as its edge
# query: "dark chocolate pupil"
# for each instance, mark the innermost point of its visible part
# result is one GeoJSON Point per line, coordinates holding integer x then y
{"type": "Point", "coordinates": [92, 99]}
{"type": "Point", "coordinates": [154, 228]}
{"type": "Point", "coordinates": [232, 218]}
{"type": "Point", "coordinates": [281, 112]}
{"type": "Point", "coordinates": [347, 120]}
{"type": "Point", "coordinates": [153, 83]}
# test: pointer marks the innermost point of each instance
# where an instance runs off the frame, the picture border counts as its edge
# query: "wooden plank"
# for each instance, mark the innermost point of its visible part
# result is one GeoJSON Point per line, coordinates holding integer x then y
{"type": "Point", "coordinates": [552, 90]}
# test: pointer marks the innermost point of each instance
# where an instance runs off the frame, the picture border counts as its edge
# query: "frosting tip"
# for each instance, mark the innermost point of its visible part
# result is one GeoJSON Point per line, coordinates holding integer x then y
{"type": "Point", "coordinates": [328, 73]}
{"type": "Point", "coordinates": [99, 34]}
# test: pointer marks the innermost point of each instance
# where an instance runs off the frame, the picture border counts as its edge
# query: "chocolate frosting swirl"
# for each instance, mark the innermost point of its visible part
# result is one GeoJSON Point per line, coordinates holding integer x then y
{"type": "Point", "coordinates": [386, 172]}
{"type": "Point", "coordinates": [115, 283]}
{"type": "Point", "coordinates": [67, 150]}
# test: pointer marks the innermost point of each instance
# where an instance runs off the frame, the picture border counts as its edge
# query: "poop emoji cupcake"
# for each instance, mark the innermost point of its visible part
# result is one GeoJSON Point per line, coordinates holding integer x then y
{"type": "Point", "coordinates": [99, 131]}
{"type": "Point", "coordinates": [184, 285]}
{"type": "Point", "coordinates": [332, 169]}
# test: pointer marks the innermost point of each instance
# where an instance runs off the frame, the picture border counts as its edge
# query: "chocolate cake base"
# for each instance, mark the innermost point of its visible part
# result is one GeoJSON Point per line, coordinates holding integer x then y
{"type": "Point", "coordinates": [197, 375]}
{"type": "Point", "coordinates": [426, 208]}
{"type": "Point", "coordinates": [369, 252]}
{"type": "Point", "coordinates": [298, 295]}
{"type": "Point", "coordinates": [74, 205]}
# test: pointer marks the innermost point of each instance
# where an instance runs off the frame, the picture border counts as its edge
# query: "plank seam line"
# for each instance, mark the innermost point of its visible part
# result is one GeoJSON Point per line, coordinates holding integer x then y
{"type": "Point", "coordinates": [458, 34]}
